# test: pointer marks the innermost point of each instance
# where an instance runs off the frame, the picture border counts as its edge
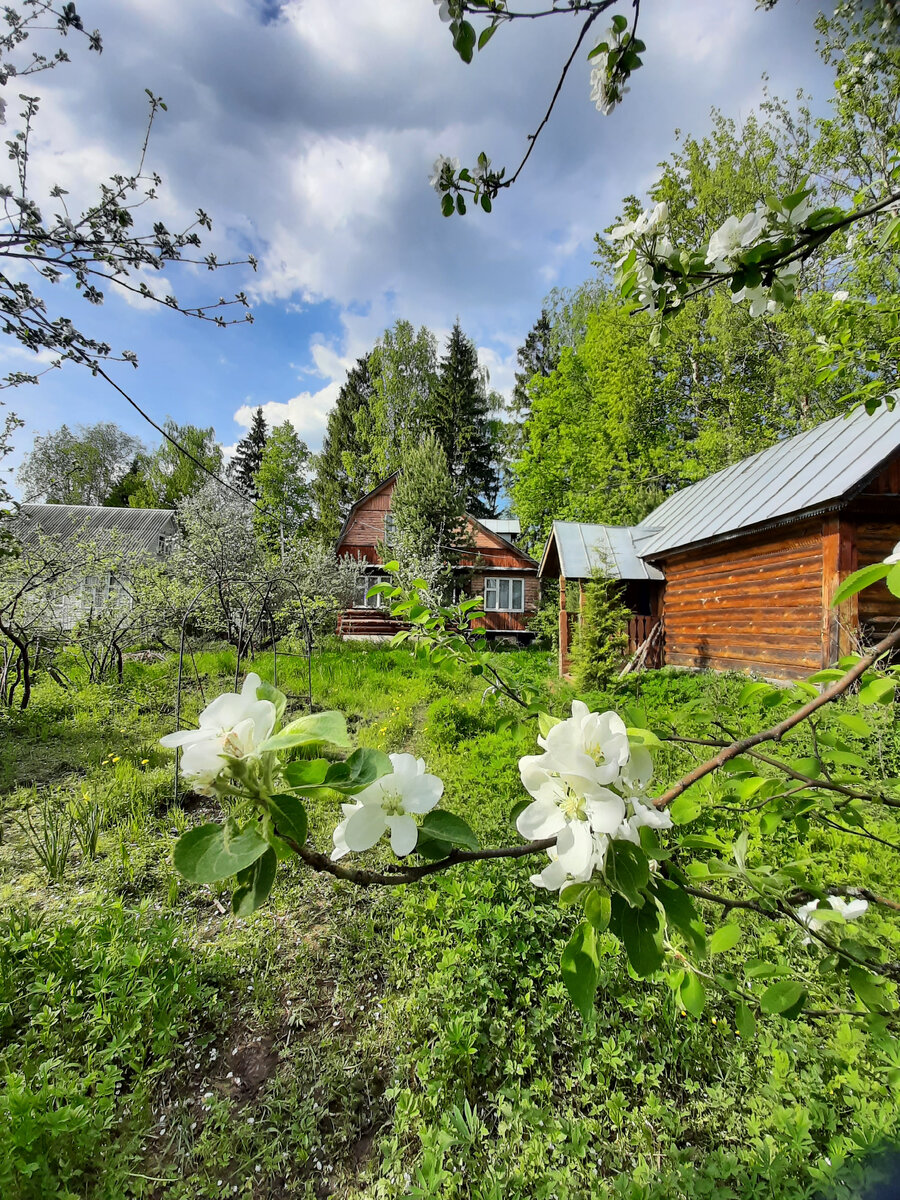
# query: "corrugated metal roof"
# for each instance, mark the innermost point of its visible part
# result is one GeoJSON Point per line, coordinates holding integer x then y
{"type": "Point", "coordinates": [507, 526]}
{"type": "Point", "coordinates": [811, 471]}
{"type": "Point", "coordinates": [139, 527]}
{"type": "Point", "coordinates": [608, 549]}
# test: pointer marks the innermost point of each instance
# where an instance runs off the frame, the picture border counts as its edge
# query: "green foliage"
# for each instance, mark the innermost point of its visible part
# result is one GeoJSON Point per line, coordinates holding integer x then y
{"type": "Point", "coordinates": [283, 489]}
{"type": "Point", "coordinates": [248, 455]}
{"type": "Point", "coordinates": [427, 504]}
{"type": "Point", "coordinates": [601, 637]}
{"type": "Point", "coordinates": [169, 476]}
{"type": "Point", "coordinates": [81, 467]}
{"type": "Point", "coordinates": [343, 473]}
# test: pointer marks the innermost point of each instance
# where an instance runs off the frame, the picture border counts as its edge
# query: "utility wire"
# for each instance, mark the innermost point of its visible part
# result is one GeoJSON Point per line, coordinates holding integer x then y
{"type": "Point", "coordinates": [178, 446]}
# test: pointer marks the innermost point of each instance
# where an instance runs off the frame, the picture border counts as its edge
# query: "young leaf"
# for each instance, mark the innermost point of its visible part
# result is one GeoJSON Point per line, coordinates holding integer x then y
{"type": "Point", "coordinates": [640, 928]}
{"type": "Point", "coordinates": [692, 994]}
{"type": "Point", "coordinates": [681, 914]}
{"type": "Point", "coordinates": [254, 884]}
{"type": "Point", "coordinates": [310, 730]}
{"type": "Point", "coordinates": [307, 772]}
{"type": "Point", "coordinates": [726, 937]}
{"type": "Point", "coordinates": [206, 854]}
{"type": "Point", "coordinates": [744, 1020]}
{"type": "Point", "coordinates": [860, 579]}
{"type": "Point", "coordinates": [598, 909]}
{"type": "Point", "coordinates": [362, 767]}
{"type": "Point", "coordinates": [782, 997]}
{"type": "Point", "coordinates": [627, 871]}
{"type": "Point", "coordinates": [580, 968]}
{"type": "Point", "coordinates": [448, 827]}
{"type": "Point", "coordinates": [546, 723]}
{"type": "Point", "coordinates": [266, 691]}
{"type": "Point", "coordinates": [290, 818]}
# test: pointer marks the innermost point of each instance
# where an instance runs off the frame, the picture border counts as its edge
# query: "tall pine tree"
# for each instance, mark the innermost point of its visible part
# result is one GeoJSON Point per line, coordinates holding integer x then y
{"type": "Point", "coordinates": [249, 454]}
{"type": "Point", "coordinates": [460, 416]}
{"type": "Point", "coordinates": [343, 471]}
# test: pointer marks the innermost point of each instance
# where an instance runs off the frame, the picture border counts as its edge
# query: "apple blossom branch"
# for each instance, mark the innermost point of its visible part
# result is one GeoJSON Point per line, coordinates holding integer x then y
{"type": "Point", "coordinates": [776, 732]}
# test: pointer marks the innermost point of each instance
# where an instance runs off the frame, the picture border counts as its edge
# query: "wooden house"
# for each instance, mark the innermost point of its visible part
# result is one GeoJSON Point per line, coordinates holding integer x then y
{"type": "Point", "coordinates": [489, 564]}
{"type": "Point", "coordinates": [750, 557]}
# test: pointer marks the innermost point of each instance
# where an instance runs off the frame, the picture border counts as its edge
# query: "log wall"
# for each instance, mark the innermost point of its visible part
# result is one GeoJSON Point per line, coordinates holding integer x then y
{"type": "Point", "coordinates": [751, 604]}
{"type": "Point", "coordinates": [879, 610]}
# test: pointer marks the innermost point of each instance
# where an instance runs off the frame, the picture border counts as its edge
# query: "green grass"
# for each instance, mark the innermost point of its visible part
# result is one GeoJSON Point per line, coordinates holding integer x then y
{"type": "Point", "coordinates": [352, 1043]}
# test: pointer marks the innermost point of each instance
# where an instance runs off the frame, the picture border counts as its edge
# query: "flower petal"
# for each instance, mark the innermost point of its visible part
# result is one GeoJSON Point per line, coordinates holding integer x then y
{"type": "Point", "coordinates": [404, 834]}
{"type": "Point", "coordinates": [423, 793]}
{"type": "Point", "coordinates": [364, 827]}
{"type": "Point", "coordinates": [540, 819]}
{"type": "Point", "coordinates": [186, 737]}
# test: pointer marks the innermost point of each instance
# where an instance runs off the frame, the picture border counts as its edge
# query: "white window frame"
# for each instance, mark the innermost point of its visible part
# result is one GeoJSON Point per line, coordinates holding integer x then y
{"type": "Point", "coordinates": [390, 529]}
{"type": "Point", "coordinates": [361, 600]}
{"type": "Point", "coordinates": [502, 591]}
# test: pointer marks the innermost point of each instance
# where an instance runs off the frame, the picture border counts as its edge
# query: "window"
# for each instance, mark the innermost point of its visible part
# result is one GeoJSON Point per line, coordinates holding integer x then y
{"type": "Point", "coordinates": [165, 544]}
{"type": "Point", "coordinates": [390, 529]}
{"type": "Point", "coordinates": [504, 595]}
{"type": "Point", "coordinates": [360, 599]}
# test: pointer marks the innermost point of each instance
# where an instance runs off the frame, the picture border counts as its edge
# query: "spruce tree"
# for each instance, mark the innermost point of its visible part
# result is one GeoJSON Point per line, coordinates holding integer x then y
{"type": "Point", "coordinates": [343, 473]}
{"type": "Point", "coordinates": [460, 417]}
{"type": "Point", "coordinates": [538, 356]}
{"type": "Point", "coordinates": [426, 503]}
{"type": "Point", "coordinates": [248, 455]}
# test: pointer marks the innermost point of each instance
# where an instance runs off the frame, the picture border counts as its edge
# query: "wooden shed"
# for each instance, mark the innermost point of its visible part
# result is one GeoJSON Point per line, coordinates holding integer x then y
{"type": "Point", "coordinates": [575, 552]}
{"type": "Point", "coordinates": [751, 556]}
{"type": "Point", "coordinates": [489, 564]}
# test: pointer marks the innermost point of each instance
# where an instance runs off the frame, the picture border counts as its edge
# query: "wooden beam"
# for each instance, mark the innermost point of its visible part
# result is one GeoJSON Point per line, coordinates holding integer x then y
{"type": "Point", "coordinates": [563, 628]}
{"type": "Point", "coordinates": [839, 559]}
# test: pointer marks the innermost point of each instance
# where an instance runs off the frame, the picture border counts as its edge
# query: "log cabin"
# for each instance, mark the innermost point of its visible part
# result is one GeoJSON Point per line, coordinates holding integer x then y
{"type": "Point", "coordinates": [749, 558]}
{"type": "Point", "coordinates": [490, 565]}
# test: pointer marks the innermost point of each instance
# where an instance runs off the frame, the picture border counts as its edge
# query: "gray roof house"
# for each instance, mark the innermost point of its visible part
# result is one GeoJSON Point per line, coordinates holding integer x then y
{"type": "Point", "coordinates": [744, 563]}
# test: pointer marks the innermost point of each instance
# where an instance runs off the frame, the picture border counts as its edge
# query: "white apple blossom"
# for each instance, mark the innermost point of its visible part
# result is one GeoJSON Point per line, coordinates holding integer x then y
{"type": "Point", "coordinates": [233, 725]}
{"type": "Point", "coordinates": [443, 7]}
{"type": "Point", "coordinates": [436, 179]}
{"type": "Point", "coordinates": [893, 557]}
{"type": "Point", "coordinates": [387, 805]}
{"type": "Point", "coordinates": [589, 746]}
{"type": "Point", "coordinates": [850, 910]}
{"type": "Point", "coordinates": [840, 297]}
{"type": "Point", "coordinates": [734, 236]}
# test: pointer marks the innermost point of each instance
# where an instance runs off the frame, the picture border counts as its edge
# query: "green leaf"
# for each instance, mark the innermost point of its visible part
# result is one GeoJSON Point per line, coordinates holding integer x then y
{"type": "Point", "coordinates": [685, 809]}
{"type": "Point", "coordinates": [447, 205]}
{"type": "Point", "coordinates": [290, 818]}
{"type": "Point", "coordinates": [860, 579]}
{"type": "Point", "coordinates": [681, 913]}
{"type": "Point", "coordinates": [855, 724]}
{"type": "Point", "coordinates": [307, 772]}
{"type": "Point", "coordinates": [485, 36]}
{"type": "Point", "coordinates": [581, 967]}
{"type": "Point", "coordinates": [692, 994]}
{"type": "Point", "coordinates": [877, 691]}
{"type": "Point", "coordinates": [254, 884]}
{"type": "Point", "coordinates": [362, 768]}
{"type": "Point", "coordinates": [619, 23]}
{"type": "Point", "coordinates": [627, 871]}
{"type": "Point", "coordinates": [868, 988]}
{"type": "Point", "coordinates": [573, 893]}
{"type": "Point", "coordinates": [642, 936]}
{"type": "Point", "coordinates": [744, 1021]}
{"type": "Point", "coordinates": [432, 848]}
{"type": "Point", "coordinates": [783, 996]}
{"type": "Point", "coordinates": [726, 937]}
{"type": "Point", "coordinates": [893, 579]}
{"type": "Point", "coordinates": [546, 723]}
{"type": "Point", "coordinates": [310, 730]}
{"type": "Point", "coordinates": [266, 691]}
{"type": "Point", "coordinates": [448, 827]}
{"type": "Point", "coordinates": [210, 853]}
{"type": "Point", "coordinates": [598, 909]}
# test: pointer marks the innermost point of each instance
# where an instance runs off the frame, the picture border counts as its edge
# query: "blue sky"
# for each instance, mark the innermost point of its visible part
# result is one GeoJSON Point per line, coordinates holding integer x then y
{"type": "Point", "coordinates": [307, 130]}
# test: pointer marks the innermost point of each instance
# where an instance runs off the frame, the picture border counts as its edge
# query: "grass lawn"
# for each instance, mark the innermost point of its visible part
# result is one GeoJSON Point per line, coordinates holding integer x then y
{"type": "Point", "coordinates": [353, 1043]}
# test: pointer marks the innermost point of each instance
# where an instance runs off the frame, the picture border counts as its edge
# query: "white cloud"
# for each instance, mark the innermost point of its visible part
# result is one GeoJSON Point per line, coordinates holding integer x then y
{"type": "Point", "coordinates": [307, 412]}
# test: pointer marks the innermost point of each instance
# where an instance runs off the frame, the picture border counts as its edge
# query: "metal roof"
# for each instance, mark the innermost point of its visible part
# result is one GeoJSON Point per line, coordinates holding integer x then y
{"type": "Point", "coordinates": [506, 526]}
{"type": "Point", "coordinates": [809, 472]}
{"type": "Point", "coordinates": [609, 549]}
{"type": "Point", "coordinates": [139, 527]}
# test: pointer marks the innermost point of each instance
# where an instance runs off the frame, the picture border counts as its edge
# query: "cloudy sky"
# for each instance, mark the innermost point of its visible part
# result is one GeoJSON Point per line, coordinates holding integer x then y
{"type": "Point", "coordinates": [307, 129]}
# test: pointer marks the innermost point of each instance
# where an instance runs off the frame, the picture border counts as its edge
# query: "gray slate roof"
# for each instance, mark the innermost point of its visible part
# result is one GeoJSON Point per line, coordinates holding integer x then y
{"type": "Point", "coordinates": [137, 527]}
{"type": "Point", "coordinates": [813, 471]}
{"type": "Point", "coordinates": [606, 548]}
